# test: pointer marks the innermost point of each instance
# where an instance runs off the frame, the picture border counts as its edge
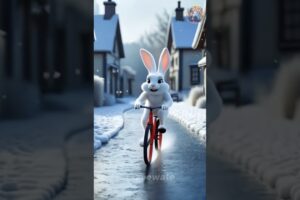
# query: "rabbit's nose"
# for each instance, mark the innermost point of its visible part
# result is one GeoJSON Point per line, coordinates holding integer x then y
{"type": "Point", "coordinates": [152, 85]}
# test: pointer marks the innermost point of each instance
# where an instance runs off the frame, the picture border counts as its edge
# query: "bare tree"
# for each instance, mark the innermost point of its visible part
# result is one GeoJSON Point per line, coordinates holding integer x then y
{"type": "Point", "coordinates": [156, 39]}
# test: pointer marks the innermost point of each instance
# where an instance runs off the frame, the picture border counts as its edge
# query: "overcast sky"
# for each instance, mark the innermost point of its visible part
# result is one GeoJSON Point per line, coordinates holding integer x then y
{"type": "Point", "coordinates": [138, 16]}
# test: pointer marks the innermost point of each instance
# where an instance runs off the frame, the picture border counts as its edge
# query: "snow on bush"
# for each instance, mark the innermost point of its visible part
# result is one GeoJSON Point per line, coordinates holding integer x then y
{"type": "Point", "coordinates": [109, 100]}
{"type": "Point", "coordinates": [195, 93]}
{"type": "Point", "coordinates": [192, 118]}
{"type": "Point", "coordinates": [98, 91]}
{"type": "Point", "coordinates": [286, 91]}
{"type": "Point", "coordinates": [201, 102]}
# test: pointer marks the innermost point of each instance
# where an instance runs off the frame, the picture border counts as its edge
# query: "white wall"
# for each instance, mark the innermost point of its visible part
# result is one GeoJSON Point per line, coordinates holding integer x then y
{"type": "Point", "coordinates": [113, 58]}
{"type": "Point", "coordinates": [174, 68]}
{"type": "Point", "coordinates": [189, 57]}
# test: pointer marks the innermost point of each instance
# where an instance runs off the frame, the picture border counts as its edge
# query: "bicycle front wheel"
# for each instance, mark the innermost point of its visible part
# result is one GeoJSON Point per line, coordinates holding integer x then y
{"type": "Point", "coordinates": [148, 145]}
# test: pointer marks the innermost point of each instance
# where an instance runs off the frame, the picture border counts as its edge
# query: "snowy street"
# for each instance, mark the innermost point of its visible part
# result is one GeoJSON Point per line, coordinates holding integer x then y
{"type": "Point", "coordinates": [227, 181]}
{"type": "Point", "coordinates": [79, 168]}
{"type": "Point", "coordinates": [178, 173]}
{"type": "Point", "coordinates": [108, 121]}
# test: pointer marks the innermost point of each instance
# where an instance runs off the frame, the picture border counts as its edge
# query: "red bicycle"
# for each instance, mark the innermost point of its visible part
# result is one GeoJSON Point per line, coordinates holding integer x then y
{"type": "Point", "coordinates": [152, 135]}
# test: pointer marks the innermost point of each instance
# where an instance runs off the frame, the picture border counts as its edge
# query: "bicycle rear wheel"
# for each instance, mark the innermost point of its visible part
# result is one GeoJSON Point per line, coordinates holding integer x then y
{"type": "Point", "coordinates": [158, 136]}
{"type": "Point", "coordinates": [148, 145]}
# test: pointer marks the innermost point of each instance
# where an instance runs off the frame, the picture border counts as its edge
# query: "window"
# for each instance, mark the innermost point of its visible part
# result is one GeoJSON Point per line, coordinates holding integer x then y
{"type": "Point", "coordinates": [195, 75]}
{"type": "Point", "coordinates": [289, 24]}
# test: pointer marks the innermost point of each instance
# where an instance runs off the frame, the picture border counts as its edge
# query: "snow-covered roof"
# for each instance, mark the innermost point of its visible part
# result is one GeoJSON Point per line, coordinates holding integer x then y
{"type": "Point", "coordinates": [199, 32]}
{"type": "Point", "coordinates": [106, 32]}
{"type": "Point", "coordinates": [129, 70]}
{"type": "Point", "coordinates": [181, 33]}
{"type": "Point", "coordinates": [202, 62]}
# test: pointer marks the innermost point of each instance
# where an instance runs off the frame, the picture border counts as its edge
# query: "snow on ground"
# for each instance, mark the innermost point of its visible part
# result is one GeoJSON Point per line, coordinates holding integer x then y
{"type": "Point", "coordinates": [108, 121]}
{"type": "Point", "coordinates": [79, 168]}
{"type": "Point", "coordinates": [192, 118]}
{"type": "Point", "coordinates": [32, 160]}
{"type": "Point", "coordinates": [262, 144]}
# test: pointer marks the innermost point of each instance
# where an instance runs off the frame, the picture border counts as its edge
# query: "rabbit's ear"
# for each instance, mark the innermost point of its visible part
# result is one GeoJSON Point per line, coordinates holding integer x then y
{"type": "Point", "coordinates": [148, 60]}
{"type": "Point", "coordinates": [164, 61]}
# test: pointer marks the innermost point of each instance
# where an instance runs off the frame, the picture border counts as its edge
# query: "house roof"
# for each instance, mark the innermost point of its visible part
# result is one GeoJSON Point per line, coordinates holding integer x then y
{"type": "Point", "coordinates": [129, 71]}
{"type": "Point", "coordinates": [106, 33]}
{"type": "Point", "coordinates": [202, 62]}
{"type": "Point", "coordinates": [199, 31]}
{"type": "Point", "coordinates": [181, 33]}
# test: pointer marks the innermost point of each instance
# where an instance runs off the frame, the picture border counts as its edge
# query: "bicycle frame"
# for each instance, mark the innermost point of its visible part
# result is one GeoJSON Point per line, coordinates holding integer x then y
{"type": "Point", "coordinates": [152, 122]}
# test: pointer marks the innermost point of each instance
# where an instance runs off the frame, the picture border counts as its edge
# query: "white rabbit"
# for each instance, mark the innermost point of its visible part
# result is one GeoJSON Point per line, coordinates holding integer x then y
{"type": "Point", "coordinates": [155, 89]}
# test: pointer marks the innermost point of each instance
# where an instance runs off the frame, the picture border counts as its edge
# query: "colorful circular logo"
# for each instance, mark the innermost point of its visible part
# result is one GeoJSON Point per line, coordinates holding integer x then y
{"type": "Point", "coordinates": [195, 13]}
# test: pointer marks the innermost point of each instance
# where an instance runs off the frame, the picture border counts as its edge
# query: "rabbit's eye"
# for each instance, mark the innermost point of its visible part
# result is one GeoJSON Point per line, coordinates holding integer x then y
{"type": "Point", "coordinates": [148, 80]}
{"type": "Point", "coordinates": [160, 81]}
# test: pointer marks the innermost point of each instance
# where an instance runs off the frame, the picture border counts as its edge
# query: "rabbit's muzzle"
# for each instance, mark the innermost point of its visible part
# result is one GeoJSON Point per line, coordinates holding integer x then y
{"type": "Point", "coordinates": [153, 90]}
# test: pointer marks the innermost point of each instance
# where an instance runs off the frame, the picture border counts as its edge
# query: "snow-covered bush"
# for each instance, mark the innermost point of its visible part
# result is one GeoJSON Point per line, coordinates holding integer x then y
{"type": "Point", "coordinates": [201, 102]}
{"type": "Point", "coordinates": [195, 93]}
{"type": "Point", "coordinates": [286, 92]}
{"type": "Point", "coordinates": [98, 91]}
{"type": "Point", "coordinates": [109, 100]}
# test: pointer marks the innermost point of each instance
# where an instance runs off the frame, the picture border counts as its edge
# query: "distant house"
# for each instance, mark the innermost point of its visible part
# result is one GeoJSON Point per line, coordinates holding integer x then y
{"type": "Point", "coordinates": [127, 78]}
{"type": "Point", "coordinates": [184, 72]}
{"type": "Point", "coordinates": [199, 42]}
{"type": "Point", "coordinates": [108, 48]}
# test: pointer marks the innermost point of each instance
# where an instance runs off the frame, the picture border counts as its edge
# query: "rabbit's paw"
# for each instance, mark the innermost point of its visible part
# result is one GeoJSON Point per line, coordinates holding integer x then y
{"type": "Point", "coordinates": [137, 105]}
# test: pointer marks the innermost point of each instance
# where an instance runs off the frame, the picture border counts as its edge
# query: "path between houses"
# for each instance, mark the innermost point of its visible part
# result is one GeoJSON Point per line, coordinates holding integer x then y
{"type": "Point", "coordinates": [179, 173]}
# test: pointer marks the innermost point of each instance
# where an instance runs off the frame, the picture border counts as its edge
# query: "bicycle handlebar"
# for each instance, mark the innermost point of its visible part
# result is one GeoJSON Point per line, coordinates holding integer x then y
{"type": "Point", "coordinates": [151, 108]}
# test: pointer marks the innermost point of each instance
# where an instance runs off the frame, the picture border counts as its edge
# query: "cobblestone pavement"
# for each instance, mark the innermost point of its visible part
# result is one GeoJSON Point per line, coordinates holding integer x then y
{"type": "Point", "coordinates": [178, 173]}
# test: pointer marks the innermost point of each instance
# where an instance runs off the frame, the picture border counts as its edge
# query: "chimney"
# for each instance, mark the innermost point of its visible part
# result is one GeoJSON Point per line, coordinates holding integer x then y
{"type": "Point", "coordinates": [179, 12]}
{"type": "Point", "coordinates": [110, 9]}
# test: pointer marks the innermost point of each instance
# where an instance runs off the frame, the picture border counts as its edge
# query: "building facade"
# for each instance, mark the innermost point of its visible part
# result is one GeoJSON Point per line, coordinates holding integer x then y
{"type": "Point", "coordinates": [108, 49]}
{"type": "Point", "coordinates": [40, 51]}
{"type": "Point", "coordinates": [184, 72]}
